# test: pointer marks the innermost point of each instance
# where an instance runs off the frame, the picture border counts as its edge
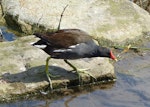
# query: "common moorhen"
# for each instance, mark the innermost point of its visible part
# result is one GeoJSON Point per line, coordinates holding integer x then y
{"type": "Point", "coordinates": [70, 44]}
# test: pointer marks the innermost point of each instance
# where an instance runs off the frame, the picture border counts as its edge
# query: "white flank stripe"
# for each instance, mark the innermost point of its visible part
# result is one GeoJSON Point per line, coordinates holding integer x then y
{"type": "Point", "coordinates": [74, 46]}
{"type": "Point", "coordinates": [69, 50]}
{"type": "Point", "coordinates": [59, 50]}
{"type": "Point", "coordinates": [62, 50]}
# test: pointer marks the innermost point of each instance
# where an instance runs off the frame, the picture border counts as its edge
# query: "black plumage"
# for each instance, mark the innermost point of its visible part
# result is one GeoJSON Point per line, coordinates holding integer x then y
{"type": "Point", "coordinates": [70, 44]}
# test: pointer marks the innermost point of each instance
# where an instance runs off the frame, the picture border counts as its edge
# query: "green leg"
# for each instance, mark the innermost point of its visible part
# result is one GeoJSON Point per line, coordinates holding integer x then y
{"type": "Point", "coordinates": [78, 70]}
{"type": "Point", "coordinates": [72, 66]}
{"type": "Point", "coordinates": [48, 74]}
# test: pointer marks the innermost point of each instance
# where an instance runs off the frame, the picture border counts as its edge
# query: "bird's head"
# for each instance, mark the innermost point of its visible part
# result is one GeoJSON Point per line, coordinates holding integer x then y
{"type": "Point", "coordinates": [105, 52]}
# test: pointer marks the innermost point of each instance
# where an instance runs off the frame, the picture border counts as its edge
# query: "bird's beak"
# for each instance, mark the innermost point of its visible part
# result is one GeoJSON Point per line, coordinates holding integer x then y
{"type": "Point", "coordinates": [112, 56]}
{"type": "Point", "coordinates": [116, 59]}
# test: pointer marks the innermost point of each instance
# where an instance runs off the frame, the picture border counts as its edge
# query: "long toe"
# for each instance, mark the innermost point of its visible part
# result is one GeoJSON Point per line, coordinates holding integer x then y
{"type": "Point", "coordinates": [75, 70]}
{"type": "Point", "coordinates": [49, 76]}
{"type": "Point", "coordinates": [53, 76]}
{"type": "Point", "coordinates": [50, 81]}
{"type": "Point", "coordinates": [79, 71]}
{"type": "Point", "coordinates": [84, 71]}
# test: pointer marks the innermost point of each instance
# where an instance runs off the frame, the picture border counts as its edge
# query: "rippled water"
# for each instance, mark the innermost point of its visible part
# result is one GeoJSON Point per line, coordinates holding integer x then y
{"type": "Point", "coordinates": [132, 88]}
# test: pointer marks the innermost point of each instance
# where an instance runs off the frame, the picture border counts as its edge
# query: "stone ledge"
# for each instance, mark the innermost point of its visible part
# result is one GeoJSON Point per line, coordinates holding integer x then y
{"type": "Point", "coordinates": [22, 69]}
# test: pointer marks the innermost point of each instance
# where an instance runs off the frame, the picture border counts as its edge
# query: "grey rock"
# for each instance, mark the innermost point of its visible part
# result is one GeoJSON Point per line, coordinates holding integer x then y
{"type": "Point", "coordinates": [116, 20]}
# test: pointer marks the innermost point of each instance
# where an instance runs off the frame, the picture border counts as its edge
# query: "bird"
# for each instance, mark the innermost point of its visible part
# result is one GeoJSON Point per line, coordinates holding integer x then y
{"type": "Point", "coordinates": [70, 44]}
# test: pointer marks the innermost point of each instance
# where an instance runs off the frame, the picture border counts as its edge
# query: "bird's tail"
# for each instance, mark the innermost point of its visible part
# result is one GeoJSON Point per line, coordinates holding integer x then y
{"type": "Point", "coordinates": [42, 37]}
{"type": "Point", "coordinates": [43, 42]}
{"type": "Point", "coordinates": [38, 35]}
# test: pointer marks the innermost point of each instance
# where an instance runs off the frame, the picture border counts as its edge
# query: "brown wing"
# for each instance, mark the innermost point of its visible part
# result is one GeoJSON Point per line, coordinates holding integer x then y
{"type": "Point", "coordinates": [65, 38]}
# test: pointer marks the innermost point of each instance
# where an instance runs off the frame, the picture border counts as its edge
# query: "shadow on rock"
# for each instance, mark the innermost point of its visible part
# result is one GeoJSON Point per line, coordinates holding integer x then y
{"type": "Point", "coordinates": [37, 74]}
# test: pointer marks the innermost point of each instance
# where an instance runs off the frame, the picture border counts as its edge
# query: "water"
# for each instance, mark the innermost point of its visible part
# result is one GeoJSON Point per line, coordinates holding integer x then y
{"type": "Point", "coordinates": [130, 90]}
{"type": "Point", "coordinates": [7, 36]}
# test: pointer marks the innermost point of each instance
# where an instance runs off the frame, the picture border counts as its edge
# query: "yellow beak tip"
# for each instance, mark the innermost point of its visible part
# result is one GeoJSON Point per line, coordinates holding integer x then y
{"type": "Point", "coordinates": [116, 60]}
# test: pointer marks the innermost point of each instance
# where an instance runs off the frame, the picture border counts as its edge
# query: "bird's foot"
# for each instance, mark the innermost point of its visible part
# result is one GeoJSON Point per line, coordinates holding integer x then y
{"type": "Point", "coordinates": [50, 86]}
{"type": "Point", "coordinates": [50, 81]}
{"type": "Point", "coordinates": [49, 76]}
{"type": "Point", "coordinates": [79, 71]}
{"type": "Point", "coordinates": [52, 76]}
{"type": "Point", "coordinates": [84, 71]}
